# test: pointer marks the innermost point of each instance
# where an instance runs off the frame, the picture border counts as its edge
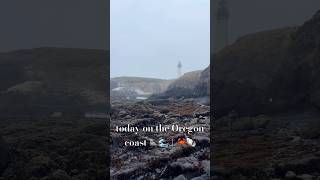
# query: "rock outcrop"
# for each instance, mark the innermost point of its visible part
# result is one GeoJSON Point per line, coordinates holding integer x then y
{"type": "Point", "coordinates": [190, 85]}
{"type": "Point", "coordinates": [268, 72]}
{"type": "Point", "coordinates": [297, 82]}
{"type": "Point", "coordinates": [53, 79]}
{"type": "Point", "coordinates": [132, 88]}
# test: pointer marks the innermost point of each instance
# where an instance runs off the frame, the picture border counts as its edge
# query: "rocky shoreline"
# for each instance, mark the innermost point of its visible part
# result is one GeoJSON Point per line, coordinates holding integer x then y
{"type": "Point", "coordinates": [282, 147]}
{"type": "Point", "coordinates": [152, 162]}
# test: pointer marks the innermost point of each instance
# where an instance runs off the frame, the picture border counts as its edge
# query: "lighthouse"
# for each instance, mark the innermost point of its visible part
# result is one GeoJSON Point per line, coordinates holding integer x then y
{"type": "Point", "coordinates": [179, 69]}
{"type": "Point", "coordinates": [221, 28]}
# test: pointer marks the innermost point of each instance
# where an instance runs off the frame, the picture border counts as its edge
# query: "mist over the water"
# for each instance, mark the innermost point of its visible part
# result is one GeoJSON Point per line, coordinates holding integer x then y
{"type": "Point", "coordinates": [149, 38]}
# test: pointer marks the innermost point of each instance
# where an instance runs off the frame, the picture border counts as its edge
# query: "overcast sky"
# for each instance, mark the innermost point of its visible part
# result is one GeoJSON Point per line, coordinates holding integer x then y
{"type": "Point", "coordinates": [248, 16]}
{"type": "Point", "coordinates": [55, 23]}
{"type": "Point", "coordinates": [149, 37]}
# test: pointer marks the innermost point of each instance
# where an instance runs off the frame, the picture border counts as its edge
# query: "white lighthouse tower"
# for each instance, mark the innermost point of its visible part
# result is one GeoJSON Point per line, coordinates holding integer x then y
{"type": "Point", "coordinates": [221, 28]}
{"type": "Point", "coordinates": [179, 69]}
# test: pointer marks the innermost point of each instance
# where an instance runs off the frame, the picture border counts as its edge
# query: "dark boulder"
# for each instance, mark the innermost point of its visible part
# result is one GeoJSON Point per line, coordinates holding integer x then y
{"type": "Point", "coordinates": [4, 155]}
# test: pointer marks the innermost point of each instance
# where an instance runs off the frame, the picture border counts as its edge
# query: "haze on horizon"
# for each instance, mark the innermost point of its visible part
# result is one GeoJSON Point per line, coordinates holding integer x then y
{"type": "Point", "coordinates": [149, 38]}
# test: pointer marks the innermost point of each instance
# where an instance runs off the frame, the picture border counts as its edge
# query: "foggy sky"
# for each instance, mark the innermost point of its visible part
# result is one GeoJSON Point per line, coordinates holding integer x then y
{"type": "Point", "coordinates": [54, 23]}
{"type": "Point", "coordinates": [149, 37]}
{"type": "Point", "coordinates": [248, 16]}
{"type": "Point", "coordinates": [180, 28]}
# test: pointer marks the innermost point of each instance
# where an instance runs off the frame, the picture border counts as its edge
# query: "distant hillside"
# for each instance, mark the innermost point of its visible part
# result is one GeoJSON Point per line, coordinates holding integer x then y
{"type": "Point", "coordinates": [49, 79]}
{"type": "Point", "coordinates": [191, 84]}
{"type": "Point", "coordinates": [189, 80]}
{"type": "Point", "coordinates": [270, 71]}
{"type": "Point", "coordinates": [203, 86]}
{"type": "Point", "coordinates": [131, 88]}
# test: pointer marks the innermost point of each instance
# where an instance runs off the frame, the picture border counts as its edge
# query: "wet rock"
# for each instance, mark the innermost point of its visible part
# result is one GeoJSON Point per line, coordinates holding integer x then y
{"type": "Point", "coordinates": [290, 175]}
{"type": "Point", "coordinates": [317, 153]}
{"type": "Point", "coordinates": [241, 177]}
{"type": "Point", "coordinates": [74, 172]}
{"type": "Point", "coordinates": [194, 121]}
{"type": "Point", "coordinates": [202, 114]}
{"type": "Point", "coordinates": [124, 156]}
{"type": "Point", "coordinates": [126, 173]}
{"type": "Point", "coordinates": [157, 116]}
{"type": "Point", "coordinates": [34, 178]}
{"type": "Point", "coordinates": [202, 141]}
{"type": "Point", "coordinates": [269, 172]}
{"type": "Point", "coordinates": [215, 177]}
{"type": "Point", "coordinates": [204, 121]}
{"type": "Point", "coordinates": [128, 117]}
{"type": "Point", "coordinates": [296, 139]}
{"type": "Point", "coordinates": [60, 175]}
{"type": "Point", "coordinates": [80, 177]}
{"type": "Point", "coordinates": [122, 113]}
{"type": "Point", "coordinates": [199, 178]}
{"type": "Point", "coordinates": [145, 122]}
{"type": "Point", "coordinates": [116, 141]}
{"type": "Point", "coordinates": [305, 177]}
{"type": "Point", "coordinates": [181, 177]}
{"type": "Point", "coordinates": [158, 170]}
{"type": "Point", "coordinates": [206, 166]}
{"type": "Point", "coordinates": [164, 111]}
{"type": "Point", "coordinates": [222, 171]}
{"type": "Point", "coordinates": [185, 164]}
{"type": "Point", "coordinates": [45, 178]}
{"type": "Point", "coordinates": [159, 102]}
{"type": "Point", "coordinates": [39, 166]}
{"type": "Point", "coordinates": [4, 155]}
{"type": "Point", "coordinates": [303, 165]}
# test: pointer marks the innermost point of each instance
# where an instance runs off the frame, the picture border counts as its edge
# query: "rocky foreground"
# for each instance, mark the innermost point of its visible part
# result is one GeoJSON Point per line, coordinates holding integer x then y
{"type": "Point", "coordinates": [53, 148]}
{"type": "Point", "coordinates": [283, 146]}
{"type": "Point", "coordinates": [153, 162]}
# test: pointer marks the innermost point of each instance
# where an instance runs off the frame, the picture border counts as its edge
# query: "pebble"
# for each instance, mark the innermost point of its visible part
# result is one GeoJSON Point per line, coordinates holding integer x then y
{"type": "Point", "coordinates": [199, 178]}
{"type": "Point", "coordinates": [74, 171]}
{"type": "Point", "coordinates": [305, 177]}
{"type": "Point", "coordinates": [181, 177]}
{"type": "Point", "coordinates": [290, 175]}
{"type": "Point", "coordinates": [206, 166]}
